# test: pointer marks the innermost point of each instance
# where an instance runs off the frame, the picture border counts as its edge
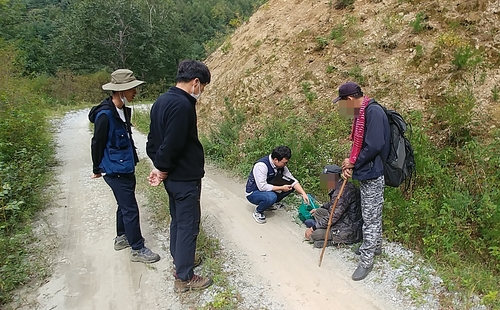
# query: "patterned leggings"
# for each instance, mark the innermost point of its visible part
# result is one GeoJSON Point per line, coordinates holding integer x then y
{"type": "Point", "coordinates": [372, 202]}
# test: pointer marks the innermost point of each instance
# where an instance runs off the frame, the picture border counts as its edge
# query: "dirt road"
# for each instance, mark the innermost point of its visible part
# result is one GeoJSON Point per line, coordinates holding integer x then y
{"type": "Point", "coordinates": [273, 268]}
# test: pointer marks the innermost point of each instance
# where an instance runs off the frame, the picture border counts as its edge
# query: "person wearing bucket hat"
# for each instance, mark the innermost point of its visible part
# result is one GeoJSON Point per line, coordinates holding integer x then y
{"type": "Point", "coordinates": [346, 219]}
{"type": "Point", "coordinates": [178, 157]}
{"type": "Point", "coordinates": [370, 137]}
{"type": "Point", "coordinates": [114, 157]}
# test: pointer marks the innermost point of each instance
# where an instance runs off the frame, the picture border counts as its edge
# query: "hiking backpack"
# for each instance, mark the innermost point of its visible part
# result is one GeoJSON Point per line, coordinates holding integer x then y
{"type": "Point", "coordinates": [400, 164]}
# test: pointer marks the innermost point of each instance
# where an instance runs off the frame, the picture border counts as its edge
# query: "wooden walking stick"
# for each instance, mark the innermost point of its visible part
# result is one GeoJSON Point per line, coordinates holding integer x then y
{"type": "Point", "coordinates": [330, 221]}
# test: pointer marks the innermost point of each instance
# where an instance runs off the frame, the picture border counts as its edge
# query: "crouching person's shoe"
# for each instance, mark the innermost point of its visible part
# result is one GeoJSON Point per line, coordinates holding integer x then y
{"type": "Point", "coordinates": [195, 283]}
{"type": "Point", "coordinates": [320, 243]}
{"type": "Point", "coordinates": [360, 273]}
{"type": "Point", "coordinates": [144, 255]}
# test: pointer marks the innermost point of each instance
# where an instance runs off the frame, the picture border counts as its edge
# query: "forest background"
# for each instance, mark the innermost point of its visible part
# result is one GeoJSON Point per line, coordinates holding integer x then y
{"type": "Point", "coordinates": [55, 55]}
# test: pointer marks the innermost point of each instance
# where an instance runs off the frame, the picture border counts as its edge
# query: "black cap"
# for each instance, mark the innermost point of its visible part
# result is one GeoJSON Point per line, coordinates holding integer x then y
{"type": "Point", "coordinates": [347, 89]}
{"type": "Point", "coordinates": [332, 169]}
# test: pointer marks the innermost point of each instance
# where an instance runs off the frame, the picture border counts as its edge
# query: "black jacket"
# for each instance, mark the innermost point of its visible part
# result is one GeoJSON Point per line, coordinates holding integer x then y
{"type": "Point", "coordinates": [101, 128]}
{"type": "Point", "coordinates": [173, 143]}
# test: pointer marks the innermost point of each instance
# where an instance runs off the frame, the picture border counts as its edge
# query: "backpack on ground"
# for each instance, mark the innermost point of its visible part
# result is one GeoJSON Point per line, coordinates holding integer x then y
{"type": "Point", "coordinates": [400, 164]}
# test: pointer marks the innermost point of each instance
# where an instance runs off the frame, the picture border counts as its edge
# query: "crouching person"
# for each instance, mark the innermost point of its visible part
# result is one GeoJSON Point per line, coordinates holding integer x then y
{"type": "Point", "coordinates": [347, 221]}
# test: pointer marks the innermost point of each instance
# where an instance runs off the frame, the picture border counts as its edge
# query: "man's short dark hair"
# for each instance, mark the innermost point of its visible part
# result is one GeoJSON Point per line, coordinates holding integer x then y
{"type": "Point", "coordinates": [355, 96]}
{"type": "Point", "coordinates": [281, 152]}
{"type": "Point", "coordinates": [191, 69]}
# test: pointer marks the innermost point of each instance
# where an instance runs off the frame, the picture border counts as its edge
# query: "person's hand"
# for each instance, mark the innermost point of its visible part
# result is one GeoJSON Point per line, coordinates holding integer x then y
{"type": "Point", "coordinates": [96, 175]}
{"type": "Point", "coordinates": [286, 188]}
{"type": "Point", "coordinates": [346, 164]}
{"type": "Point", "coordinates": [308, 233]}
{"type": "Point", "coordinates": [312, 211]}
{"type": "Point", "coordinates": [347, 173]}
{"type": "Point", "coordinates": [156, 177]}
{"type": "Point", "coordinates": [306, 199]}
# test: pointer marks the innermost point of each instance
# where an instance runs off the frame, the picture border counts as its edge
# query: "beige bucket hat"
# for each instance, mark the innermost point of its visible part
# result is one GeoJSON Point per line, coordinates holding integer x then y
{"type": "Point", "coordinates": [122, 79]}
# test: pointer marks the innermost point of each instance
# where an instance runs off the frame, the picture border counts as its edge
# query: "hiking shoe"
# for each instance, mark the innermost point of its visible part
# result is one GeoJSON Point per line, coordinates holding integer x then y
{"type": "Point", "coordinates": [195, 283]}
{"type": "Point", "coordinates": [378, 251]}
{"type": "Point", "coordinates": [259, 217]}
{"type": "Point", "coordinates": [360, 273]}
{"type": "Point", "coordinates": [197, 262]}
{"type": "Point", "coordinates": [319, 243]}
{"type": "Point", "coordinates": [144, 255]}
{"type": "Point", "coordinates": [121, 243]}
{"type": "Point", "coordinates": [276, 206]}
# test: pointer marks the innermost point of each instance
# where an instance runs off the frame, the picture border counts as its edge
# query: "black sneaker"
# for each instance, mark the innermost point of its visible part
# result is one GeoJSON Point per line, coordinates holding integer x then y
{"type": "Point", "coordinates": [360, 273]}
{"type": "Point", "coordinates": [144, 255]}
{"type": "Point", "coordinates": [121, 243]}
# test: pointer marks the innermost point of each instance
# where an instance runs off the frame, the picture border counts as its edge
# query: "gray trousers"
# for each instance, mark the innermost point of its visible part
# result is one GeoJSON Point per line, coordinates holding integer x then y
{"type": "Point", "coordinates": [372, 202]}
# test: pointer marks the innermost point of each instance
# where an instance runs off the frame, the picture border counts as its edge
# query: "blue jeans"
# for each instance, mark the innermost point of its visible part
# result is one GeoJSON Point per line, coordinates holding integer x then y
{"type": "Point", "coordinates": [310, 223]}
{"type": "Point", "coordinates": [264, 200]}
{"type": "Point", "coordinates": [185, 211]}
{"type": "Point", "coordinates": [127, 214]}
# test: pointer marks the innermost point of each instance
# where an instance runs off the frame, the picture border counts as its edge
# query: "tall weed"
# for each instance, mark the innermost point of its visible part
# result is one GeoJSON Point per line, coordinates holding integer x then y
{"type": "Point", "coordinates": [221, 145]}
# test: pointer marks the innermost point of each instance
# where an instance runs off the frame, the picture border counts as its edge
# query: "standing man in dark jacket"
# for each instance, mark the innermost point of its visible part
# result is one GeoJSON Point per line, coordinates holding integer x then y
{"type": "Point", "coordinates": [114, 157]}
{"type": "Point", "coordinates": [346, 219]}
{"type": "Point", "coordinates": [177, 155]}
{"type": "Point", "coordinates": [371, 141]}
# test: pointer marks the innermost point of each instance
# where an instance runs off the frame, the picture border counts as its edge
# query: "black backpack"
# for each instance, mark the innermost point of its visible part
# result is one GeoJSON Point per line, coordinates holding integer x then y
{"type": "Point", "coordinates": [400, 164]}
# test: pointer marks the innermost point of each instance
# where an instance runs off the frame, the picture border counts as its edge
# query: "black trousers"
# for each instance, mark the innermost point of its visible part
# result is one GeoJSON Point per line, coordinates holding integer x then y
{"type": "Point", "coordinates": [185, 211]}
{"type": "Point", "coordinates": [127, 214]}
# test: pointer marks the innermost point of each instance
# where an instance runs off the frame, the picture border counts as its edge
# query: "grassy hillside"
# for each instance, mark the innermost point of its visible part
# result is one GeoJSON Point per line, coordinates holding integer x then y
{"type": "Point", "coordinates": [436, 62]}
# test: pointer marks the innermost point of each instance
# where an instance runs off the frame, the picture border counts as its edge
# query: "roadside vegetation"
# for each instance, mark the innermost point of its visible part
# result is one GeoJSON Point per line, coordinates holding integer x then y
{"type": "Point", "coordinates": [26, 155]}
{"type": "Point", "coordinates": [450, 216]}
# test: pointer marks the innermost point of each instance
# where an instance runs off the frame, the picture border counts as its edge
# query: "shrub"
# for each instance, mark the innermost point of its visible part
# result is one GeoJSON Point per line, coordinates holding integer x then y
{"type": "Point", "coordinates": [418, 24]}
{"type": "Point", "coordinates": [495, 93]}
{"type": "Point", "coordinates": [453, 115]}
{"type": "Point", "coordinates": [306, 89]}
{"type": "Point", "coordinates": [221, 144]}
{"type": "Point", "coordinates": [343, 4]}
{"type": "Point", "coordinates": [26, 155]}
{"type": "Point", "coordinates": [357, 74]}
{"type": "Point", "coordinates": [321, 42]}
{"type": "Point", "coordinates": [338, 34]}
{"type": "Point", "coordinates": [465, 57]}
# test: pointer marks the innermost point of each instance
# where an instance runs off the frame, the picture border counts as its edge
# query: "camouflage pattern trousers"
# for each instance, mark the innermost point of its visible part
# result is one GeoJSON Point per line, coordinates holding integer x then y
{"type": "Point", "coordinates": [372, 202]}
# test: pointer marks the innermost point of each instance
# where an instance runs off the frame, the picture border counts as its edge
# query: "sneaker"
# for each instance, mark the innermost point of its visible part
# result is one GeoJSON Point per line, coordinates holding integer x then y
{"type": "Point", "coordinates": [378, 251]}
{"type": "Point", "coordinates": [121, 243]}
{"type": "Point", "coordinates": [259, 217]}
{"type": "Point", "coordinates": [361, 273]}
{"type": "Point", "coordinates": [195, 283]}
{"type": "Point", "coordinates": [144, 255]}
{"type": "Point", "coordinates": [319, 243]}
{"type": "Point", "coordinates": [276, 206]}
